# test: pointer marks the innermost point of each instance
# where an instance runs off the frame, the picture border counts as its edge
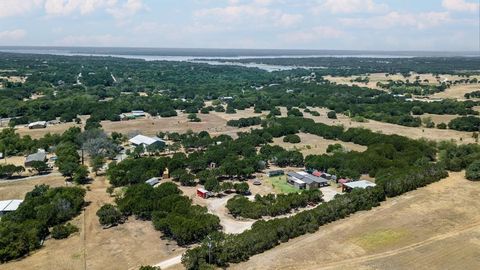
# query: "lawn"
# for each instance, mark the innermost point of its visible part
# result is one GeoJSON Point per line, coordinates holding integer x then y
{"type": "Point", "coordinates": [280, 184]}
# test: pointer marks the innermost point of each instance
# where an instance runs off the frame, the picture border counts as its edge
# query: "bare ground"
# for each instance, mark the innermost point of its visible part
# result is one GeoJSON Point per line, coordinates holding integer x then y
{"type": "Point", "coordinates": [429, 228]}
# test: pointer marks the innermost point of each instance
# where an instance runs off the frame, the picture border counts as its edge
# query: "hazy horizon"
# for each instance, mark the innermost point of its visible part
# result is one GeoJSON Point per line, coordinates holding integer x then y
{"type": "Point", "coordinates": [373, 25]}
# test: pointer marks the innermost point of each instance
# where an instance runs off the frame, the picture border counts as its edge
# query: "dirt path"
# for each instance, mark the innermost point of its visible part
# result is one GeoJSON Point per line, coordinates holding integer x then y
{"type": "Point", "coordinates": [170, 262]}
{"type": "Point", "coordinates": [229, 224]}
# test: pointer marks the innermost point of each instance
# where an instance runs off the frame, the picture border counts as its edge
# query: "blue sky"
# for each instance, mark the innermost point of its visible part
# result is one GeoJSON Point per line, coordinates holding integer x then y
{"type": "Point", "coordinates": [451, 25]}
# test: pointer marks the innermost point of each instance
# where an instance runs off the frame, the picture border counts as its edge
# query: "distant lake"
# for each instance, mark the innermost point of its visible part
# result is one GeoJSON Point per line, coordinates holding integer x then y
{"type": "Point", "coordinates": [209, 56]}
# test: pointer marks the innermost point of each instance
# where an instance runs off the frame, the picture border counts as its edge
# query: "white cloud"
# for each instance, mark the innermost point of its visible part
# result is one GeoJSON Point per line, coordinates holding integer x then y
{"type": "Point", "coordinates": [396, 19]}
{"type": "Point", "coordinates": [67, 7]}
{"type": "Point", "coordinates": [10, 8]}
{"type": "Point", "coordinates": [460, 5]}
{"type": "Point", "coordinates": [257, 13]}
{"type": "Point", "coordinates": [127, 9]}
{"type": "Point", "coordinates": [350, 6]}
{"type": "Point", "coordinates": [12, 35]}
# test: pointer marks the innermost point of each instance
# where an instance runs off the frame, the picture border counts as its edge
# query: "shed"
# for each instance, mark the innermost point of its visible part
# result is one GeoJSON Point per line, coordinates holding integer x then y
{"type": "Point", "coordinates": [203, 193]}
{"type": "Point", "coordinates": [38, 124]}
{"type": "Point", "coordinates": [152, 181]}
{"type": "Point", "coordinates": [275, 173]}
{"type": "Point", "coordinates": [9, 206]}
{"type": "Point", "coordinates": [41, 155]}
{"type": "Point", "coordinates": [347, 187]}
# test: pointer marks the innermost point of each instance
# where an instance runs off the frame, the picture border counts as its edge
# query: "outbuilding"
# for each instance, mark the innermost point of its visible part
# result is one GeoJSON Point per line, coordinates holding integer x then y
{"type": "Point", "coordinates": [38, 124]}
{"type": "Point", "coordinates": [9, 206]}
{"type": "Point", "coordinates": [363, 184]}
{"type": "Point", "coordinates": [275, 173]}
{"type": "Point", "coordinates": [203, 193]}
{"type": "Point", "coordinates": [152, 181]}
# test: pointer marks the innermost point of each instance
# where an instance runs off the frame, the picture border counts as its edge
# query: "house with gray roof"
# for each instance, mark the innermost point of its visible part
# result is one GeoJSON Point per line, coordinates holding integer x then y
{"type": "Point", "coordinates": [304, 180]}
{"type": "Point", "coordinates": [41, 155]}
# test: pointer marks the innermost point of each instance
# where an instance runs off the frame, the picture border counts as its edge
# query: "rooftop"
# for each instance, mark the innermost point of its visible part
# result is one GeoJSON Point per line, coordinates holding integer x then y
{"type": "Point", "coordinates": [9, 205]}
{"type": "Point", "coordinates": [39, 156]}
{"type": "Point", "coordinates": [141, 139]}
{"type": "Point", "coordinates": [360, 184]}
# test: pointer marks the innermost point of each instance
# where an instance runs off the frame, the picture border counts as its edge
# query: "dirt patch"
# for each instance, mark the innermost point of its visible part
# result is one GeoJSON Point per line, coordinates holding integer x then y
{"type": "Point", "coordinates": [429, 228]}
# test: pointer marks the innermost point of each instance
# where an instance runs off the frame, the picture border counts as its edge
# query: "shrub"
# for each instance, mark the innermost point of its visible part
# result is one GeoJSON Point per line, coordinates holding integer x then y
{"type": "Point", "coordinates": [473, 171]}
{"type": "Point", "coordinates": [109, 215]}
{"type": "Point", "coordinates": [332, 115]}
{"type": "Point", "coordinates": [63, 231]}
{"type": "Point", "coordinates": [292, 138]}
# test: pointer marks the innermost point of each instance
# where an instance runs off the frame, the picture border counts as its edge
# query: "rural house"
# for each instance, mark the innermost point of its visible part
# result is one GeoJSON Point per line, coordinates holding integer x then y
{"type": "Point", "coordinates": [304, 180]}
{"type": "Point", "coordinates": [147, 141]}
{"type": "Point", "coordinates": [41, 155]}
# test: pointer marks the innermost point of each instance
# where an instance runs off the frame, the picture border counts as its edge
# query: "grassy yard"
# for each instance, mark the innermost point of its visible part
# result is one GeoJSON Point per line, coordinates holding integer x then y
{"type": "Point", "coordinates": [280, 184]}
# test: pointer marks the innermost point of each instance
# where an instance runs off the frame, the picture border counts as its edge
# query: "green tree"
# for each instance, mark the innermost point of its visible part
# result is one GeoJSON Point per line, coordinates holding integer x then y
{"type": "Point", "coordinates": [80, 175]}
{"type": "Point", "coordinates": [109, 215]}
{"type": "Point", "coordinates": [473, 171]}
{"type": "Point", "coordinates": [332, 115]}
{"type": "Point", "coordinates": [39, 166]}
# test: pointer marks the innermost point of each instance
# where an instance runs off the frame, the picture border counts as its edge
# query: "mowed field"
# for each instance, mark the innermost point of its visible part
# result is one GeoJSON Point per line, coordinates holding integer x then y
{"type": "Point", "coordinates": [435, 227]}
{"type": "Point", "coordinates": [126, 246]}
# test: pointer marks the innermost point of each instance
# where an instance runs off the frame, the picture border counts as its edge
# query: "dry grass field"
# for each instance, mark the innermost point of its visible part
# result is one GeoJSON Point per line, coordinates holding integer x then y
{"type": "Point", "coordinates": [315, 145]}
{"type": "Point", "coordinates": [430, 228]}
{"type": "Point", "coordinates": [16, 189]}
{"type": "Point", "coordinates": [126, 246]}
{"type": "Point", "coordinates": [454, 92]}
{"type": "Point", "coordinates": [214, 123]}
{"type": "Point", "coordinates": [458, 91]}
{"type": "Point", "coordinates": [433, 134]}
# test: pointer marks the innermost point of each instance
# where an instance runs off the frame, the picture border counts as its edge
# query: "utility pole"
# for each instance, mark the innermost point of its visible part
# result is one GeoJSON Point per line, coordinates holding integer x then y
{"type": "Point", "coordinates": [209, 244]}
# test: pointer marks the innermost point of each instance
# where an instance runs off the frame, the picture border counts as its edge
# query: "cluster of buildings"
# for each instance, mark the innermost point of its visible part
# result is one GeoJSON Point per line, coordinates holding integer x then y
{"type": "Point", "coordinates": [317, 179]}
